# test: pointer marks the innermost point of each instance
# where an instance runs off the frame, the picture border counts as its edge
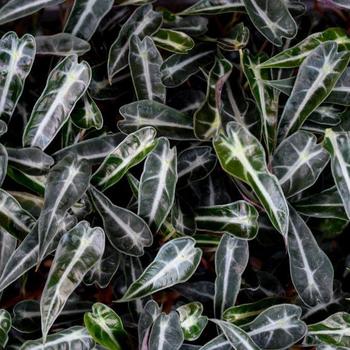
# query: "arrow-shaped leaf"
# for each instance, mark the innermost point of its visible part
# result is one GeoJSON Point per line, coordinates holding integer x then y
{"type": "Point", "coordinates": [32, 161]}
{"type": "Point", "coordinates": [173, 41]}
{"type": "Point", "coordinates": [237, 337]}
{"type": "Point", "coordinates": [242, 156]}
{"type": "Point", "coordinates": [166, 120]}
{"type": "Point", "coordinates": [13, 218]}
{"type": "Point", "coordinates": [105, 326]}
{"type": "Point", "coordinates": [231, 259]}
{"type": "Point", "coordinates": [179, 67]}
{"type": "Point", "coordinates": [191, 320]}
{"type": "Point", "coordinates": [103, 272]}
{"type": "Point", "coordinates": [315, 80]}
{"type": "Point", "coordinates": [264, 96]}
{"type": "Point", "coordinates": [245, 313]}
{"type": "Point", "coordinates": [94, 150]}
{"type": "Point", "coordinates": [130, 152]}
{"type": "Point", "coordinates": [175, 263]}
{"type": "Point", "coordinates": [3, 163]}
{"type": "Point", "coordinates": [311, 270]}
{"type": "Point", "coordinates": [87, 115]}
{"type": "Point", "coordinates": [298, 162]}
{"type": "Point", "coordinates": [145, 61]}
{"type": "Point", "coordinates": [7, 247]}
{"type": "Point", "coordinates": [334, 330]}
{"type": "Point", "coordinates": [126, 231]}
{"type": "Point", "coordinates": [26, 255]}
{"type": "Point", "coordinates": [214, 7]}
{"type": "Point", "coordinates": [337, 144]}
{"type": "Point", "coordinates": [166, 332]}
{"type": "Point", "coordinates": [66, 83]}
{"type": "Point", "coordinates": [66, 183]}
{"type": "Point", "coordinates": [85, 17]}
{"type": "Point", "coordinates": [61, 44]}
{"type": "Point", "coordinates": [5, 326]}
{"type": "Point", "coordinates": [157, 184]}
{"type": "Point", "coordinates": [144, 21]}
{"type": "Point", "coordinates": [74, 338]}
{"type": "Point", "coordinates": [272, 19]}
{"type": "Point", "coordinates": [15, 9]}
{"type": "Point", "coordinates": [149, 314]}
{"type": "Point", "coordinates": [239, 219]}
{"type": "Point", "coordinates": [194, 164]}
{"type": "Point", "coordinates": [78, 250]}
{"type": "Point", "coordinates": [294, 56]}
{"type": "Point", "coordinates": [16, 58]}
{"type": "Point", "coordinates": [207, 119]}
{"type": "Point", "coordinates": [324, 204]}
{"type": "Point", "coordinates": [278, 327]}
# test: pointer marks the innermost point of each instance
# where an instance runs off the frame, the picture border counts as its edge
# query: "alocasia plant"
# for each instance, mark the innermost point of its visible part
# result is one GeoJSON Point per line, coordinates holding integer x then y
{"type": "Point", "coordinates": [175, 175]}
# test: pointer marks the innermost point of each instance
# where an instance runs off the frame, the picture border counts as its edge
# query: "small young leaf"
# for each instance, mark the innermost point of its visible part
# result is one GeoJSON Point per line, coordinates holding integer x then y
{"type": "Point", "coordinates": [207, 119]}
{"type": "Point", "coordinates": [87, 115]}
{"type": "Point", "coordinates": [5, 326]}
{"type": "Point", "coordinates": [173, 41]}
{"type": "Point", "coordinates": [105, 326]}
{"type": "Point", "coordinates": [191, 320]}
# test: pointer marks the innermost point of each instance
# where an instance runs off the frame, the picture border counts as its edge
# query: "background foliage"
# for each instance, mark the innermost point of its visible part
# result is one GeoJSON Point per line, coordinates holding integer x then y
{"type": "Point", "coordinates": [175, 174]}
